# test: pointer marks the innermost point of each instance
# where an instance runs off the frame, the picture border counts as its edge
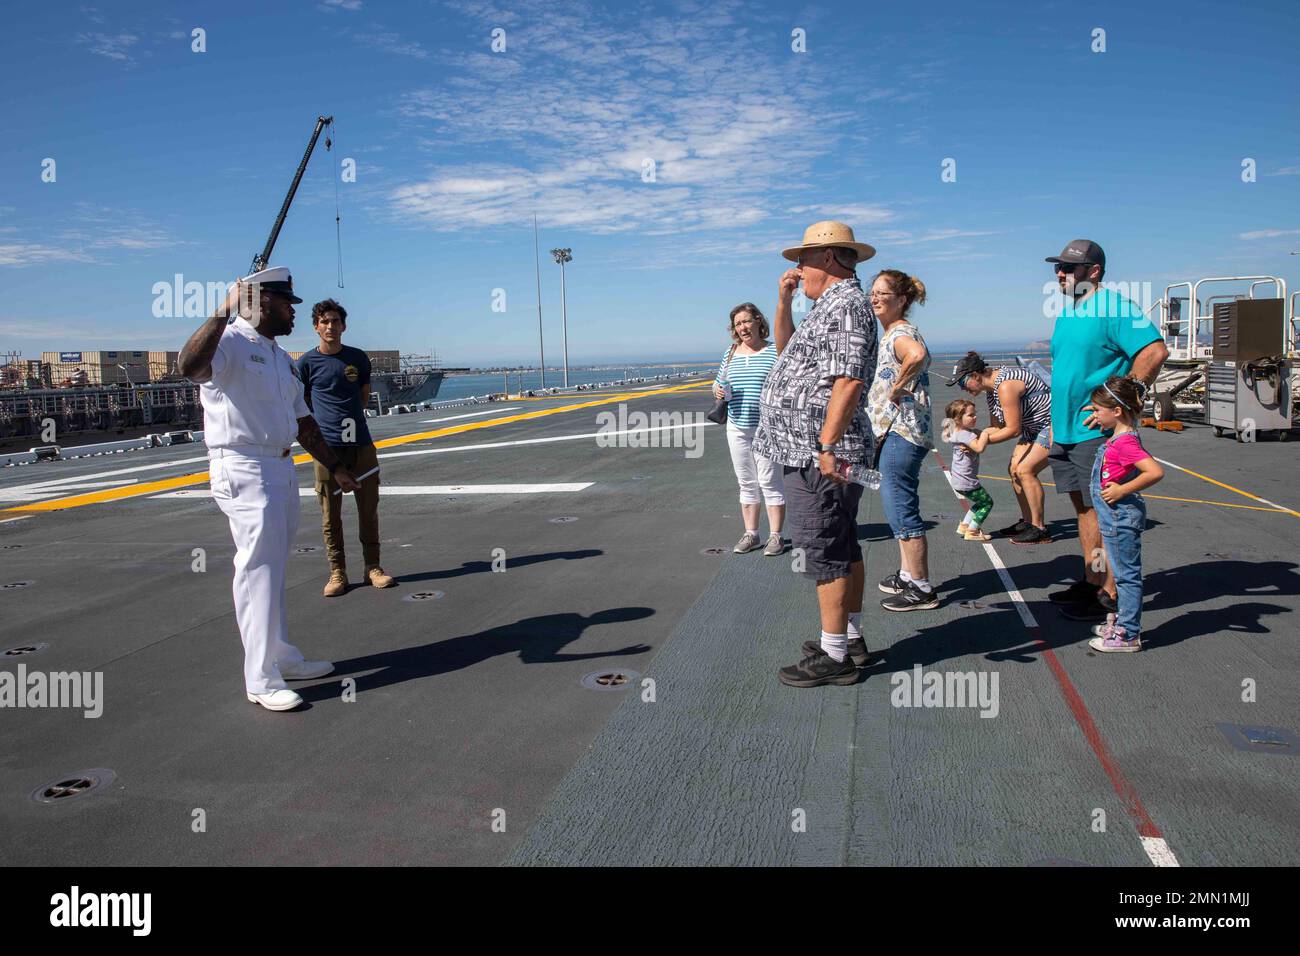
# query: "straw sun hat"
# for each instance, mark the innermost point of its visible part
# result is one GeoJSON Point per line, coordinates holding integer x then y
{"type": "Point", "coordinates": [823, 235]}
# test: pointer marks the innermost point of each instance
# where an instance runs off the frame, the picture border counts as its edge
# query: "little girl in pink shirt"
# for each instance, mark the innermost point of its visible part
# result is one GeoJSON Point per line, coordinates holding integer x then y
{"type": "Point", "coordinates": [1122, 469]}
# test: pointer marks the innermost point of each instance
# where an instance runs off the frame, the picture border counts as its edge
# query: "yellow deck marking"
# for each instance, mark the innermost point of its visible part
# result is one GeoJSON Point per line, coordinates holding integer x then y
{"type": "Point", "coordinates": [198, 478]}
{"type": "Point", "coordinates": [1195, 501]}
{"type": "Point", "coordinates": [1247, 494]}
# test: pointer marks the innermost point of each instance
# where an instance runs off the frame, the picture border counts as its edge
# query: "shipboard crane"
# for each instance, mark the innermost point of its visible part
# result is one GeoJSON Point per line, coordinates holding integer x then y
{"type": "Point", "coordinates": [262, 258]}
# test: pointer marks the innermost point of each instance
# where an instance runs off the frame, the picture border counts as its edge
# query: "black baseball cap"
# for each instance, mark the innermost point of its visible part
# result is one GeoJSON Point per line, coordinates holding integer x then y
{"type": "Point", "coordinates": [1080, 251]}
{"type": "Point", "coordinates": [969, 365]}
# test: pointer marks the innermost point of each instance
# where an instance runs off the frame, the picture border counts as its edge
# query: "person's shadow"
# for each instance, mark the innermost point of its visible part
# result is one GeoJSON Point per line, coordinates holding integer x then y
{"type": "Point", "coordinates": [1207, 580]}
{"type": "Point", "coordinates": [511, 562]}
{"type": "Point", "coordinates": [537, 640]}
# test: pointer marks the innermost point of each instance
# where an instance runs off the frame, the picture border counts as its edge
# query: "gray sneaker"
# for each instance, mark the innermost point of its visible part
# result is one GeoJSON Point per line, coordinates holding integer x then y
{"type": "Point", "coordinates": [748, 542]}
{"type": "Point", "coordinates": [775, 546]}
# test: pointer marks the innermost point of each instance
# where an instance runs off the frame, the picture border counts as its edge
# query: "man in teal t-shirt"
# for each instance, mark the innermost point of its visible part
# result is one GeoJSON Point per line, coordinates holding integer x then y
{"type": "Point", "coordinates": [1099, 333]}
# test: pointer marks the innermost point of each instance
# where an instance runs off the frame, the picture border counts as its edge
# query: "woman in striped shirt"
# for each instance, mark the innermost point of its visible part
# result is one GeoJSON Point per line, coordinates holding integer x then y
{"type": "Point", "coordinates": [740, 379]}
{"type": "Point", "coordinates": [1020, 407]}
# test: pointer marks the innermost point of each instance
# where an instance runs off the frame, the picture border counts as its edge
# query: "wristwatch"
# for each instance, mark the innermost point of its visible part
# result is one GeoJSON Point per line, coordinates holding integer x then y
{"type": "Point", "coordinates": [823, 448]}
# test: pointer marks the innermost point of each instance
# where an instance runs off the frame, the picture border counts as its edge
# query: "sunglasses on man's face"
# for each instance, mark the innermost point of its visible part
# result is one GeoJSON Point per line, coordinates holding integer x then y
{"type": "Point", "coordinates": [1070, 266]}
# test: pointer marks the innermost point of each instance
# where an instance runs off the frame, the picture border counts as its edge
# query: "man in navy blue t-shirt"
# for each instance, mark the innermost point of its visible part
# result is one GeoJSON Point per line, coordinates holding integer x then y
{"type": "Point", "coordinates": [336, 382]}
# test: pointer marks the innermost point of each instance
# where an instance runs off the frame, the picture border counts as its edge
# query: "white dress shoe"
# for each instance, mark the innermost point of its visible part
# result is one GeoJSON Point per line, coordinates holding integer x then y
{"type": "Point", "coordinates": [305, 670]}
{"type": "Point", "coordinates": [277, 699]}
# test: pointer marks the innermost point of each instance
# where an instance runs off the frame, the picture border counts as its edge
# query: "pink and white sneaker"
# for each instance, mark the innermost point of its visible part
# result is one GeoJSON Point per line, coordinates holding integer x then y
{"type": "Point", "coordinates": [1103, 630]}
{"type": "Point", "coordinates": [1110, 638]}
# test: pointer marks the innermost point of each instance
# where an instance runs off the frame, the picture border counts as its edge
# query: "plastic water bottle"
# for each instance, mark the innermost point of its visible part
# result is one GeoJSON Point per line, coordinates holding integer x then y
{"type": "Point", "coordinates": [857, 471]}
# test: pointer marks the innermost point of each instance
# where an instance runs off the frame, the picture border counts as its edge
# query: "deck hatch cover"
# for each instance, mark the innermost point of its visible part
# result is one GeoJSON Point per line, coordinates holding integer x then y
{"type": "Point", "coordinates": [1259, 739]}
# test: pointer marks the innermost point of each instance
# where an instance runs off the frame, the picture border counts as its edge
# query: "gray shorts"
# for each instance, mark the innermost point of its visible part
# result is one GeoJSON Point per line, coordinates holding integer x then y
{"type": "Point", "coordinates": [1072, 467]}
{"type": "Point", "coordinates": [822, 518]}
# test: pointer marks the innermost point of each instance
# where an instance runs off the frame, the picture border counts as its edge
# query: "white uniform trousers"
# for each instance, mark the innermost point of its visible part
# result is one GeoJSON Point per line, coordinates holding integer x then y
{"type": "Point", "coordinates": [259, 496]}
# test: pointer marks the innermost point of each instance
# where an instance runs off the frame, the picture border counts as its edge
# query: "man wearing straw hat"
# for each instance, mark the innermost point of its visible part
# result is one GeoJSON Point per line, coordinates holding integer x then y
{"type": "Point", "coordinates": [812, 417]}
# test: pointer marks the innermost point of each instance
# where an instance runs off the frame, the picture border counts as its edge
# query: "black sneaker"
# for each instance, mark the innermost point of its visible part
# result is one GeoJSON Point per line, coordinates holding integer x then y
{"type": "Point", "coordinates": [1013, 529]}
{"type": "Point", "coordinates": [818, 669]}
{"type": "Point", "coordinates": [1076, 592]}
{"type": "Point", "coordinates": [1108, 602]}
{"type": "Point", "coordinates": [894, 584]}
{"type": "Point", "coordinates": [1089, 610]}
{"type": "Point", "coordinates": [912, 598]}
{"type": "Point", "coordinates": [858, 653]}
{"type": "Point", "coordinates": [1032, 535]}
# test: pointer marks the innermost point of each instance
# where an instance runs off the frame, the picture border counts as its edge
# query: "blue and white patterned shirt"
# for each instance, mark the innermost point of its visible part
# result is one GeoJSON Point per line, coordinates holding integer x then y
{"type": "Point", "coordinates": [837, 339]}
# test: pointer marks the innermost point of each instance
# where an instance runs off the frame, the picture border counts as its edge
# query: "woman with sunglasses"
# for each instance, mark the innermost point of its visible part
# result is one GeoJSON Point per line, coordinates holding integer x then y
{"type": "Point", "coordinates": [899, 407]}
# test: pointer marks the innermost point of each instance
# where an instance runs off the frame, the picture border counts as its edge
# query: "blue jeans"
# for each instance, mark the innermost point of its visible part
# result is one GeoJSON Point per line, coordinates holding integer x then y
{"type": "Point", "coordinates": [900, 473]}
{"type": "Point", "coordinates": [1121, 526]}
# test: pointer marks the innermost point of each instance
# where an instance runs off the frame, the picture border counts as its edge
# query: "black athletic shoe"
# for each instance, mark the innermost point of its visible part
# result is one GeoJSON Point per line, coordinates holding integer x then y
{"type": "Point", "coordinates": [1089, 610]}
{"type": "Point", "coordinates": [1012, 530]}
{"type": "Point", "coordinates": [1032, 535]}
{"type": "Point", "coordinates": [858, 653]}
{"type": "Point", "coordinates": [1076, 592]}
{"type": "Point", "coordinates": [912, 598]}
{"type": "Point", "coordinates": [1108, 602]}
{"type": "Point", "coordinates": [817, 670]}
{"type": "Point", "coordinates": [894, 584]}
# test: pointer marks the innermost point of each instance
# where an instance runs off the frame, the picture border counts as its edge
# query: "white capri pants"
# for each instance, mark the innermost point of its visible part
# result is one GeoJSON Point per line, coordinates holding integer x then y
{"type": "Point", "coordinates": [753, 472]}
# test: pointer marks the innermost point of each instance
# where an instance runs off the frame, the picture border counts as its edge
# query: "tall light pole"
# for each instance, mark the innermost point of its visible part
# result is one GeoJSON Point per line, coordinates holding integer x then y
{"type": "Point", "coordinates": [562, 256]}
{"type": "Point", "coordinates": [541, 348]}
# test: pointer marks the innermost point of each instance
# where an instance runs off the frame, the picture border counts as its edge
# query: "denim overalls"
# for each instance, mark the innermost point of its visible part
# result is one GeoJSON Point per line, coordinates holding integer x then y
{"type": "Point", "coordinates": [1121, 527]}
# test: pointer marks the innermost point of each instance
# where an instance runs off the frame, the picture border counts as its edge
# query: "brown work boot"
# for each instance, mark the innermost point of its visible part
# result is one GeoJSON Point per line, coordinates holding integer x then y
{"type": "Point", "coordinates": [338, 583]}
{"type": "Point", "coordinates": [377, 578]}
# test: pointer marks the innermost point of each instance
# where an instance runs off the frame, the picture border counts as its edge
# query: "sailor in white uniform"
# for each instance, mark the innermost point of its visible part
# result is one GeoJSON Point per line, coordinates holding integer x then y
{"type": "Point", "coordinates": [253, 411]}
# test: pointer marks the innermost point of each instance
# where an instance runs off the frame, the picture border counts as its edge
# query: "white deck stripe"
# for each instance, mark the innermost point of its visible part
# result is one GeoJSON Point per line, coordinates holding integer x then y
{"type": "Point", "coordinates": [77, 479]}
{"type": "Point", "coordinates": [1159, 852]}
{"type": "Point", "coordinates": [1026, 615]}
{"type": "Point", "coordinates": [1156, 849]}
{"type": "Point", "coordinates": [19, 518]}
{"type": "Point", "coordinates": [539, 441]}
{"type": "Point", "coordinates": [559, 487]}
{"type": "Point", "coordinates": [452, 418]}
{"type": "Point", "coordinates": [17, 494]}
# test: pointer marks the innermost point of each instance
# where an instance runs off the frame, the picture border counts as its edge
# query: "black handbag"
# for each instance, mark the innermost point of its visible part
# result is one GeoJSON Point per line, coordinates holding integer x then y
{"type": "Point", "coordinates": [719, 413]}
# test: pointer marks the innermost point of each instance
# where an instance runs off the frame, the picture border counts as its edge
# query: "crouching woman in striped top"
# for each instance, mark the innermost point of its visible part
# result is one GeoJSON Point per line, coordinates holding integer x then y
{"type": "Point", "coordinates": [740, 379]}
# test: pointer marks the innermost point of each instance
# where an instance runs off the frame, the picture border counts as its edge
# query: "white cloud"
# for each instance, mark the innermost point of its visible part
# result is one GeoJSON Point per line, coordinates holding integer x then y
{"type": "Point", "coordinates": [1286, 171]}
{"type": "Point", "coordinates": [1269, 233]}
{"type": "Point", "coordinates": [41, 330]}
{"type": "Point", "coordinates": [87, 235]}
{"type": "Point", "coordinates": [388, 41]}
{"type": "Point", "coordinates": [114, 46]}
{"type": "Point", "coordinates": [580, 109]}
{"type": "Point", "coordinates": [22, 254]}
{"type": "Point", "coordinates": [935, 235]}
{"type": "Point", "coordinates": [330, 6]}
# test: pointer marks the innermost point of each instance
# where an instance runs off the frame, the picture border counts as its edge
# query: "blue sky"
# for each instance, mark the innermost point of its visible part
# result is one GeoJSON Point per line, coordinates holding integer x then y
{"type": "Point", "coordinates": [171, 161]}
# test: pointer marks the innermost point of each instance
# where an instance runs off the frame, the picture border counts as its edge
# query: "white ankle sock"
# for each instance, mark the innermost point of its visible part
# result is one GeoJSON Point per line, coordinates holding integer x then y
{"type": "Point", "coordinates": [922, 583]}
{"type": "Point", "coordinates": [753, 531]}
{"type": "Point", "coordinates": [854, 619]}
{"type": "Point", "coordinates": [904, 576]}
{"type": "Point", "coordinates": [836, 646]}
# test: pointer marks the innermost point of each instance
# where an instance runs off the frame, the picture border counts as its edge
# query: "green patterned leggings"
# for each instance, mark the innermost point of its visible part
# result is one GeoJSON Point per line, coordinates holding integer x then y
{"type": "Point", "coordinates": [981, 503]}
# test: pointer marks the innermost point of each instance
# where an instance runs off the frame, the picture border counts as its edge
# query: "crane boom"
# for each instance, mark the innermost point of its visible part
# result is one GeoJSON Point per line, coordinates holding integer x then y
{"type": "Point", "coordinates": [262, 258]}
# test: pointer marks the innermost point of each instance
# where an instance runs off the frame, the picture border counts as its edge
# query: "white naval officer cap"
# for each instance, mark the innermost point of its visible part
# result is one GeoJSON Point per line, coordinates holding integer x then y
{"type": "Point", "coordinates": [273, 279]}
